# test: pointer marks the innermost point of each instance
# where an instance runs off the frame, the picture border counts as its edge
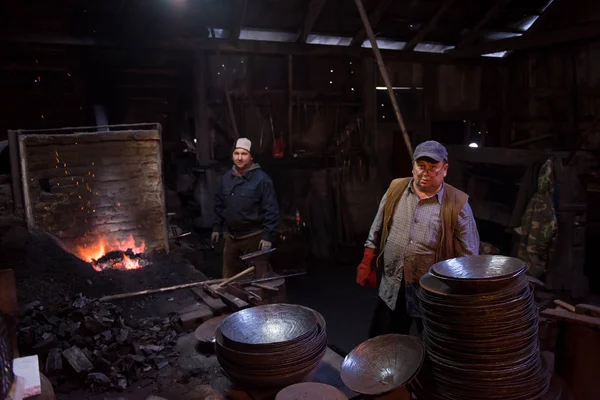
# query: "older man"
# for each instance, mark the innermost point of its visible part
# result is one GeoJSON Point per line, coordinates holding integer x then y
{"type": "Point", "coordinates": [421, 220]}
{"type": "Point", "coordinates": [246, 210]}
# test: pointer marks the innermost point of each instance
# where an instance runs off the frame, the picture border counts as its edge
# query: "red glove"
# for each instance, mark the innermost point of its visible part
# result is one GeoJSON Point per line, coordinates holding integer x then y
{"type": "Point", "coordinates": [366, 275]}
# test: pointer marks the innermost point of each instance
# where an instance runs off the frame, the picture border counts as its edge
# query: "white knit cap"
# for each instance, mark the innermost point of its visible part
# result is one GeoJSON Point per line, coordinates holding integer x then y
{"type": "Point", "coordinates": [243, 143]}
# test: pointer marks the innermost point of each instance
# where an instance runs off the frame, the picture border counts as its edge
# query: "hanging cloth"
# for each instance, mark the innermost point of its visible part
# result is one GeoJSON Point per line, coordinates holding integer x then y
{"type": "Point", "coordinates": [539, 224]}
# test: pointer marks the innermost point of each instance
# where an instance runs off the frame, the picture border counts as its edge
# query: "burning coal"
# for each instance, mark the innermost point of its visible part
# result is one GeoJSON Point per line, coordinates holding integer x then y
{"type": "Point", "coordinates": [120, 260]}
{"type": "Point", "coordinates": [118, 254]}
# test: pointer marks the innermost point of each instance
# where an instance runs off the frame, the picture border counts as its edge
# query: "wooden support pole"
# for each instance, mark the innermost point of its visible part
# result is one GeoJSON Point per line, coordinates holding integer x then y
{"type": "Point", "coordinates": [203, 143]}
{"type": "Point", "coordinates": [290, 103]}
{"type": "Point", "coordinates": [384, 74]}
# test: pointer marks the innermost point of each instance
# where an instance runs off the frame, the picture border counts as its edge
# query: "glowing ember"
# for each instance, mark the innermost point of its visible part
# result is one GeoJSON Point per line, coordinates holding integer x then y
{"type": "Point", "coordinates": [119, 254]}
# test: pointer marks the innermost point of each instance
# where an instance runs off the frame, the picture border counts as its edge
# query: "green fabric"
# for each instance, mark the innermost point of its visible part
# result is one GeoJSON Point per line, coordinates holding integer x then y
{"type": "Point", "coordinates": [539, 224]}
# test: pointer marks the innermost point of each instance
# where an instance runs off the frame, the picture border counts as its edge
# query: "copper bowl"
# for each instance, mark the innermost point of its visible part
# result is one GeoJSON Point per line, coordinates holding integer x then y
{"type": "Point", "coordinates": [262, 366]}
{"type": "Point", "coordinates": [479, 274]}
{"type": "Point", "coordinates": [311, 391]}
{"type": "Point", "coordinates": [382, 364]}
{"type": "Point", "coordinates": [267, 327]}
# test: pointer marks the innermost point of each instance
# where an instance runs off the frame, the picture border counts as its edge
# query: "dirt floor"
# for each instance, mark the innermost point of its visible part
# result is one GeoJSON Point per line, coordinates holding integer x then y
{"type": "Point", "coordinates": [53, 278]}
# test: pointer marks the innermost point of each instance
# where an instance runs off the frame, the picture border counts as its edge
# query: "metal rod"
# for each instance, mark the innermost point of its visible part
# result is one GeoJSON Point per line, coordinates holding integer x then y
{"type": "Point", "coordinates": [384, 74]}
{"type": "Point", "coordinates": [161, 290]}
{"type": "Point", "coordinates": [189, 285]}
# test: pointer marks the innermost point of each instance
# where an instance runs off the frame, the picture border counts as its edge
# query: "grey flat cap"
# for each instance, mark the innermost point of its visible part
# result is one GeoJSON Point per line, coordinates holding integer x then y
{"type": "Point", "coordinates": [431, 149]}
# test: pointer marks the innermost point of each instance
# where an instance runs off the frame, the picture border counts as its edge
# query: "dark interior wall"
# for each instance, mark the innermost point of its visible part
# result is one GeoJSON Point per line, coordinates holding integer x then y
{"type": "Point", "coordinates": [554, 96]}
{"type": "Point", "coordinates": [335, 125]}
{"type": "Point", "coordinates": [554, 105]}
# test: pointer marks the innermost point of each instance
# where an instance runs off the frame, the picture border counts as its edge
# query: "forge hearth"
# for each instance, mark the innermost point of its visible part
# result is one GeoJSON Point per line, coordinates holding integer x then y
{"type": "Point", "coordinates": [120, 260]}
{"type": "Point", "coordinates": [100, 193]}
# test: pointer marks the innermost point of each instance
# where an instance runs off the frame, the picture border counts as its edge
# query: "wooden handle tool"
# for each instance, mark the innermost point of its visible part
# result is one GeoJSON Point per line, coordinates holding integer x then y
{"type": "Point", "coordinates": [235, 277]}
{"type": "Point", "coordinates": [565, 305]}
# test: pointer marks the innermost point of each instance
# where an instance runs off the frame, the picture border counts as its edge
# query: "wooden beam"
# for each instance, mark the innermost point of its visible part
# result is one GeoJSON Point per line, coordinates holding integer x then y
{"type": "Point", "coordinates": [254, 47]}
{"type": "Point", "coordinates": [374, 19]}
{"type": "Point", "coordinates": [237, 18]}
{"type": "Point", "coordinates": [314, 10]}
{"type": "Point", "coordinates": [542, 39]}
{"type": "Point", "coordinates": [475, 33]}
{"type": "Point", "coordinates": [549, 13]}
{"type": "Point", "coordinates": [425, 29]}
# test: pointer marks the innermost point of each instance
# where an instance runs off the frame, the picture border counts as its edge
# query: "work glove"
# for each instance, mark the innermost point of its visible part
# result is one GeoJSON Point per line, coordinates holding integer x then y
{"type": "Point", "coordinates": [264, 245]}
{"type": "Point", "coordinates": [366, 275]}
{"type": "Point", "coordinates": [215, 236]}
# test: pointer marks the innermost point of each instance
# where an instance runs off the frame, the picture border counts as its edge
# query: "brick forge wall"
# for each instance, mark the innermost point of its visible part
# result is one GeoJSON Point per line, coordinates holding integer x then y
{"type": "Point", "coordinates": [88, 187]}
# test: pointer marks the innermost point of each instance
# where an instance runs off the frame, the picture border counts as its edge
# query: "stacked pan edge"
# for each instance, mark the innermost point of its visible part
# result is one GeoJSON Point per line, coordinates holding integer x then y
{"type": "Point", "coordinates": [480, 333]}
{"type": "Point", "coordinates": [271, 346]}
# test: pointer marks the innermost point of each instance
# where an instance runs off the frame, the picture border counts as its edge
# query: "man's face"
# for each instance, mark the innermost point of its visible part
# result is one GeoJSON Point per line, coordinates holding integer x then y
{"type": "Point", "coordinates": [242, 159]}
{"type": "Point", "coordinates": [429, 174]}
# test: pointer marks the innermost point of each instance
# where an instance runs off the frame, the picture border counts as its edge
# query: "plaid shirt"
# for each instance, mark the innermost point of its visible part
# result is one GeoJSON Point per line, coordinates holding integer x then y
{"type": "Point", "coordinates": [413, 240]}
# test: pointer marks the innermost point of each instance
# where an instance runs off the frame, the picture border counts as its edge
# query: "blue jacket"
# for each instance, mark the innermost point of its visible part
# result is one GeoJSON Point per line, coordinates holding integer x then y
{"type": "Point", "coordinates": [246, 204]}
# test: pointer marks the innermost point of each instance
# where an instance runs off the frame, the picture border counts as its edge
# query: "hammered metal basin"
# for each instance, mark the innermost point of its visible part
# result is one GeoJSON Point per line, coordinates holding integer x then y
{"type": "Point", "coordinates": [206, 331]}
{"type": "Point", "coordinates": [264, 365]}
{"type": "Point", "coordinates": [268, 326]}
{"type": "Point", "coordinates": [480, 267]}
{"type": "Point", "coordinates": [382, 364]}
{"type": "Point", "coordinates": [311, 391]}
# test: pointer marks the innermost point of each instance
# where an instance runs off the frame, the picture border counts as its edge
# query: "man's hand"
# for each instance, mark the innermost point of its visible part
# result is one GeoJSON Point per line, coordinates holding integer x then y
{"type": "Point", "coordinates": [366, 275]}
{"type": "Point", "coordinates": [264, 245]}
{"type": "Point", "coordinates": [215, 236]}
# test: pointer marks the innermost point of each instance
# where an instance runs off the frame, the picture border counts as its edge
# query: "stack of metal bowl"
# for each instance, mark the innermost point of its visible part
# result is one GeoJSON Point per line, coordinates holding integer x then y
{"type": "Point", "coordinates": [480, 332]}
{"type": "Point", "coordinates": [271, 346]}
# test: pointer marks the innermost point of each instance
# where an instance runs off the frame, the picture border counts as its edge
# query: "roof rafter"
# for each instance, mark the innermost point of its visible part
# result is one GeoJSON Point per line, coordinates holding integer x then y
{"type": "Point", "coordinates": [549, 13]}
{"type": "Point", "coordinates": [374, 19]}
{"type": "Point", "coordinates": [314, 10]}
{"type": "Point", "coordinates": [475, 33]}
{"type": "Point", "coordinates": [425, 29]}
{"type": "Point", "coordinates": [541, 39]}
{"type": "Point", "coordinates": [237, 18]}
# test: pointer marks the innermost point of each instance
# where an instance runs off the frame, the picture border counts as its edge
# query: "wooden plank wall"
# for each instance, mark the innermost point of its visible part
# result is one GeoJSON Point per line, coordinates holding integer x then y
{"type": "Point", "coordinates": [86, 186]}
{"type": "Point", "coordinates": [554, 95]}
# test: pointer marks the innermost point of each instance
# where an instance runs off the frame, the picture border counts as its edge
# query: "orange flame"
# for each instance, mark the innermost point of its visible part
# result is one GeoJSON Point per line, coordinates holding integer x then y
{"type": "Point", "coordinates": [128, 263]}
{"type": "Point", "coordinates": [102, 246]}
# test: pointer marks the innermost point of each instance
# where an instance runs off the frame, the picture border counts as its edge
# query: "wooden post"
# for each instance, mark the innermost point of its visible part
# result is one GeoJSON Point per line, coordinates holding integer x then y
{"type": "Point", "coordinates": [290, 110]}
{"type": "Point", "coordinates": [201, 132]}
{"type": "Point", "coordinates": [15, 171]}
{"type": "Point", "coordinates": [163, 197]}
{"type": "Point", "coordinates": [384, 74]}
{"type": "Point", "coordinates": [204, 145]}
{"type": "Point", "coordinates": [25, 183]}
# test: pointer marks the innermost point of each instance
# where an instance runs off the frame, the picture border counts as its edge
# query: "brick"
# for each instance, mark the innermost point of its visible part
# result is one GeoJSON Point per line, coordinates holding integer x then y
{"type": "Point", "coordinates": [191, 320]}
